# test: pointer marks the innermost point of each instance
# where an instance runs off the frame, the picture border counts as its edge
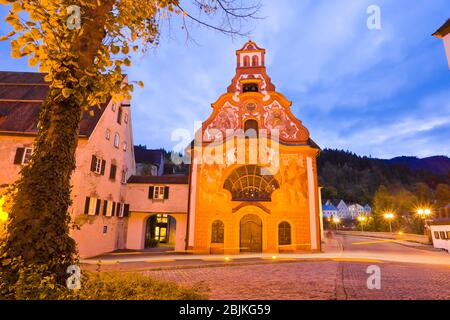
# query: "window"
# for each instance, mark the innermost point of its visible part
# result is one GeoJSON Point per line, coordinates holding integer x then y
{"type": "Point", "coordinates": [284, 233]}
{"type": "Point", "coordinates": [158, 192]}
{"type": "Point", "coordinates": [119, 116]}
{"type": "Point", "coordinates": [443, 235]}
{"type": "Point", "coordinates": [108, 208]}
{"type": "Point", "coordinates": [123, 178]}
{"type": "Point", "coordinates": [217, 232]}
{"type": "Point", "coordinates": [23, 155]}
{"type": "Point", "coordinates": [108, 134]}
{"type": "Point", "coordinates": [448, 234]}
{"type": "Point", "coordinates": [116, 140]}
{"type": "Point", "coordinates": [112, 172]}
{"type": "Point", "coordinates": [248, 183]}
{"type": "Point", "coordinates": [251, 128]}
{"type": "Point", "coordinates": [92, 206]}
{"type": "Point", "coordinates": [162, 218]}
{"type": "Point", "coordinates": [124, 146]}
{"type": "Point", "coordinates": [125, 118]}
{"type": "Point", "coordinates": [250, 87]}
{"type": "Point", "coordinates": [123, 209]}
{"type": "Point", "coordinates": [120, 207]}
{"type": "Point", "coordinates": [113, 107]}
{"type": "Point", "coordinates": [255, 61]}
{"type": "Point", "coordinates": [246, 61]}
{"type": "Point", "coordinates": [436, 235]}
{"type": "Point", "coordinates": [98, 165]}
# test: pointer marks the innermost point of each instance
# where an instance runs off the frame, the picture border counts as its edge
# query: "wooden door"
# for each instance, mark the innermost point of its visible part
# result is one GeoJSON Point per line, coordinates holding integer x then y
{"type": "Point", "coordinates": [251, 234]}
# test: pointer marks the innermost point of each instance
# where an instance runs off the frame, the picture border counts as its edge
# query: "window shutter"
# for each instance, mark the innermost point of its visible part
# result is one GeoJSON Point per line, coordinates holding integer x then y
{"type": "Point", "coordinates": [103, 167]}
{"type": "Point", "coordinates": [126, 210]}
{"type": "Point", "coordinates": [151, 192]}
{"type": "Point", "coordinates": [86, 205]}
{"type": "Point", "coordinates": [113, 210]}
{"type": "Point", "coordinates": [105, 207]}
{"type": "Point", "coordinates": [19, 155]}
{"type": "Point", "coordinates": [166, 192]}
{"type": "Point", "coordinates": [97, 207]}
{"type": "Point", "coordinates": [112, 173]}
{"type": "Point", "coordinates": [118, 208]}
{"type": "Point", "coordinates": [93, 163]}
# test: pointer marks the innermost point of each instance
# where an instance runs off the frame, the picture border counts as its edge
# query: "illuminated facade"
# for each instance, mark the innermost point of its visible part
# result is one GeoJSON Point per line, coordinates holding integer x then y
{"type": "Point", "coordinates": [253, 176]}
{"type": "Point", "coordinates": [252, 183]}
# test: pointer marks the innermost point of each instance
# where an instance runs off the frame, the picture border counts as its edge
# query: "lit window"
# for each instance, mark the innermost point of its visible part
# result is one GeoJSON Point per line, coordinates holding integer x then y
{"type": "Point", "coordinates": [116, 140]}
{"type": "Point", "coordinates": [158, 192]}
{"type": "Point", "coordinates": [162, 218]}
{"type": "Point", "coordinates": [92, 211]}
{"type": "Point", "coordinates": [109, 207]}
{"type": "Point", "coordinates": [124, 176]}
{"type": "Point", "coordinates": [27, 155]}
{"type": "Point", "coordinates": [108, 134]}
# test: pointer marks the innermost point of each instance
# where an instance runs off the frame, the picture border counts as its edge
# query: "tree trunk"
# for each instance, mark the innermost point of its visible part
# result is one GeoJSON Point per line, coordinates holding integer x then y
{"type": "Point", "coordinates": [38, 228]}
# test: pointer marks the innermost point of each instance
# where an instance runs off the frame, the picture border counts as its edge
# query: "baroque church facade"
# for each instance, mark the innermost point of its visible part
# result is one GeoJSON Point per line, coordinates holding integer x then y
{"type": "Point", "coordinates": [258, 192]}
{"type": "Point", "coordinates": [251, 186]}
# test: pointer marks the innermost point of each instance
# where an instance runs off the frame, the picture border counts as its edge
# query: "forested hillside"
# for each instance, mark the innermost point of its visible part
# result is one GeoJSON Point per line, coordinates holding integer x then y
{"type": "Point", "coordinates": [345, 175]}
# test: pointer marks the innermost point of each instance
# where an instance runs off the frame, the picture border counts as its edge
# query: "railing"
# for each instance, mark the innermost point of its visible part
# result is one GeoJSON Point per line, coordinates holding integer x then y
{"type": "Point", "coordinates": [387, 235]}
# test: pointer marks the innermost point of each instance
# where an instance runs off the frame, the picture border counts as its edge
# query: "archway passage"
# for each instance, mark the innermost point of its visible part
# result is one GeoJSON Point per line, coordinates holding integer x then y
{"type": "Point", "coordinates": [251, 233]}
{"type": "Point", "coordinates": [160, 231]}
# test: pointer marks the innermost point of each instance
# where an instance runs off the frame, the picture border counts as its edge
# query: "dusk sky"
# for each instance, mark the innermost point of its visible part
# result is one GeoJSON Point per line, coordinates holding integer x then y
{"type": "Point", "coordinates": [383, 93]}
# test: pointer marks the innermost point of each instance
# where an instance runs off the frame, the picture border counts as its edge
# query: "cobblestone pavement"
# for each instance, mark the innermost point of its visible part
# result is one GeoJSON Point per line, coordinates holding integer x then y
{"type": "Point", "coordinates": [330, 279]}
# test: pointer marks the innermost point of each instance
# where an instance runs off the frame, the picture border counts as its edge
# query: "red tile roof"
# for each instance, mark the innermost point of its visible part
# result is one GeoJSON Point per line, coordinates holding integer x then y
{"type": "Point", "coordinates": [22, 94]}
{"type": "Point", "coordinates": [165, 179]}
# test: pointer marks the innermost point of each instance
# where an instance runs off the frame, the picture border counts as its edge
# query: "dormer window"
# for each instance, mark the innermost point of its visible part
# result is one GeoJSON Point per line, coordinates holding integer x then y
{"type": "Point", "coordinates": [250, 87]}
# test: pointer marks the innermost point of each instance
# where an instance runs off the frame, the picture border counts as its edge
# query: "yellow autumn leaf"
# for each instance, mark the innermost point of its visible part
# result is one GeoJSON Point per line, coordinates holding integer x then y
{"type": "Point", "coordinates": [33, 62]}
{"type": "Point", "coordinates": [140, 84]}
{"type": "Point", "coordinates": [66, 92]}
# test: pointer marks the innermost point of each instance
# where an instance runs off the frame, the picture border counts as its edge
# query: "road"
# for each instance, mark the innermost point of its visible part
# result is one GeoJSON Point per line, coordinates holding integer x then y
{"type": "Point", "coordinates": [405, 273]}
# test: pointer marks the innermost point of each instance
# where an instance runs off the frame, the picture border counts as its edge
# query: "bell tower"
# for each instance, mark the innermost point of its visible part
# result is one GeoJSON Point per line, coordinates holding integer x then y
{"type": "Point", "coordinates": [251, 73]}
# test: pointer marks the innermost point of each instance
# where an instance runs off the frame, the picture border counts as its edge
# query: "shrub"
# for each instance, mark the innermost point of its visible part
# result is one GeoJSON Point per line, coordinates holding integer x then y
{"type": "Point", "coordinates": [35, 283]}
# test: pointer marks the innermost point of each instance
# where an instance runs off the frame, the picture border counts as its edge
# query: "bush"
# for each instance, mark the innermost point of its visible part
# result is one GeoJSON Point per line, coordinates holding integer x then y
{"type": "Point", "coordinates": [35, 283]}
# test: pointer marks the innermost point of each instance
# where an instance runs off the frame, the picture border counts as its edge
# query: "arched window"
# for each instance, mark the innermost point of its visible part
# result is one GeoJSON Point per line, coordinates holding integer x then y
{"type": "Point", "coordinates": [116, 140]}
{"type": "Point", "coordinates": [255, 61]}
{"type": "Point", "coordinates": [217, 232]}
{"type": "Point", "coordinates": [250, 183]}
{"type": "Point", "coordinates": [284, 233]}
{"type": "Point", "coordinates": [246, 61]}
{"type": "Point", "coordinates": [251, 128]}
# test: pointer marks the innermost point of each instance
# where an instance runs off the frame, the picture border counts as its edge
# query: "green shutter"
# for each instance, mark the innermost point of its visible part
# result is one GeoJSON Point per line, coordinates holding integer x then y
{"type": "Point", "coordinates": [19, 155]}
{"type": "Point", "coordinates": [86, 205]}
{"type": "Point", "coordinates": [151, 192]}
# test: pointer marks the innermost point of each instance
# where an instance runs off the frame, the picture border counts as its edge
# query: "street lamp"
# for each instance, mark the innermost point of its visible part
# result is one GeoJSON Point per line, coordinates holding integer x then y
{"type": "Point", "coordinates": [336, 221]}
{"type": "Point", "coordinates": [362, 220]}
{"type": "Point", "coordinates": [389, 216]}
{"type": "Point", "coordinates": [424, 212]}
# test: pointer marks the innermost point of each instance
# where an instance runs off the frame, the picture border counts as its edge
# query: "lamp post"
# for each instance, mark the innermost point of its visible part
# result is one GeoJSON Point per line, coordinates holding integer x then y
{"type": "Point", "coordinates": [362, 221]}
{"type": "Point", "coordinates": [336, 221]}
{"type": "Point", "coordinates": [389, 216]}
{"type": "Point", "coordinates": [424, 213]}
